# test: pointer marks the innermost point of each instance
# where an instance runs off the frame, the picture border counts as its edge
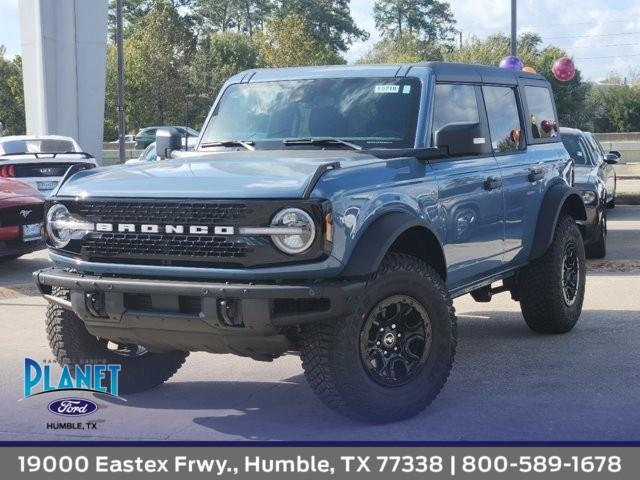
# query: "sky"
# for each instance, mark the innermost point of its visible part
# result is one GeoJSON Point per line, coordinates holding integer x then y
{"type": "Point", "coordinates": [601, 36]}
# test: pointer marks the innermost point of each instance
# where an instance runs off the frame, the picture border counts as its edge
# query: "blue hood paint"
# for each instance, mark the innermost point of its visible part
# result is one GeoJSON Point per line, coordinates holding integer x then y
{"type": "Point", "coordinates": [236, 174]}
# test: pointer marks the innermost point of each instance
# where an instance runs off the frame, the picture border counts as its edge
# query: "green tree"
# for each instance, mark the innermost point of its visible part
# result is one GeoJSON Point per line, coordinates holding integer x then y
{"type": "Point", "coordinates": [330, 21]}
{"type": "Point", "coordinates": [239, 15]}
{"type": "Point", "coordinates": [157, 57]}
{"type": "Point", "coordinates": [405, 49]}
{"type": "Point", "coordinates": [620, 107]}
{"type": "Point", "coordinates": [11, 95]}
{"type": "Point", "coordinates": [431, 20]}
{"type": "Point", "coordinates": [289, 41]}
{"type": "Point", "coordinates": [219, 56]}
{"type": "Point", "coordinates": [133, 11]}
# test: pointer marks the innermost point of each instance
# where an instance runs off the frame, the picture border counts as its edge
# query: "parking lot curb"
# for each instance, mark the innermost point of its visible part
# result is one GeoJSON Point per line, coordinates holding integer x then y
{"type": "Point", "coordinates": [628, 199]}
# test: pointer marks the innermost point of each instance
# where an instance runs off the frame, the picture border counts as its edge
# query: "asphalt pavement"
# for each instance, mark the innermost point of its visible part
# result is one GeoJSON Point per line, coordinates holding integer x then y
{"type": "Point", "coordinates": [507, 383]}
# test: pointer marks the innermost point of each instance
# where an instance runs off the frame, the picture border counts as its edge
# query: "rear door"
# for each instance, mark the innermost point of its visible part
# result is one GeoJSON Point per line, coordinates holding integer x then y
{"type": "Point", "coordinates": [470, 192]}
{"type": "Point", "coordinates": [531, 171]}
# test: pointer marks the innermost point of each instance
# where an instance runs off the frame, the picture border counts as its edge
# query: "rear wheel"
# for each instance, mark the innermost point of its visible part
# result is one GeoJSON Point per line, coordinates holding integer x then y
{"type": "Point", "coordinates": [552, 288]}
{"type": "Point", "coordinates": [391, 358]}
{"type": "Point", "coordinates": [72, 344]}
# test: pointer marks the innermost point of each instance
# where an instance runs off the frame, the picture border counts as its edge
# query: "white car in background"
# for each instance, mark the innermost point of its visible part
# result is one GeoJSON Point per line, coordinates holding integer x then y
{"type": "Point", "coordinates": [41, 161]}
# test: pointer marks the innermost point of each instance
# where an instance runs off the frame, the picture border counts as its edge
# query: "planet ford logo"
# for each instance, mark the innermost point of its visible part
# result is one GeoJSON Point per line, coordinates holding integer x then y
{"type": "Point", "coordinates": [72, 407]}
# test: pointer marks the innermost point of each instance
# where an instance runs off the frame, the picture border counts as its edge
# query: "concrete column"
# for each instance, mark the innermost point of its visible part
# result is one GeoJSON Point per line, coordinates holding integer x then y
{"type": "Point", "coordinates": [64, 68]}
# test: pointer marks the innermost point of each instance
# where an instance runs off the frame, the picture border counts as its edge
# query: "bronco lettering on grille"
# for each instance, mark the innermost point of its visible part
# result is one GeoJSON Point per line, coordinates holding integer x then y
{"type": "Point", "coordinates": [153, 228]}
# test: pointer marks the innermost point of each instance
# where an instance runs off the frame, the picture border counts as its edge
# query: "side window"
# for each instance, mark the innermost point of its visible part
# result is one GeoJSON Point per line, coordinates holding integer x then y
{"type": "Point", "coordinates": [454, 104]}
{"type": "Point", "coordinates": [542, 121]}
{"type": "Point", "coordinates": [504, 119]}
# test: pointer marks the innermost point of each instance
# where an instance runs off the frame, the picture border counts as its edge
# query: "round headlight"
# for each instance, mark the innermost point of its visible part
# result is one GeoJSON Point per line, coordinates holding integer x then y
{"type": "Point", "coordinates": [588, 197]}
{"type": "Point", "coordinates": [56, 216]}
{"type": "Point", "coordinates": [301, 231]}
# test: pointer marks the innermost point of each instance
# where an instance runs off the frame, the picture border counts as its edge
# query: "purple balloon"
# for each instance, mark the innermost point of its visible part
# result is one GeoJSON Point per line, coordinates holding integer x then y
{"type": "Point", "coordinates": [511, 63]}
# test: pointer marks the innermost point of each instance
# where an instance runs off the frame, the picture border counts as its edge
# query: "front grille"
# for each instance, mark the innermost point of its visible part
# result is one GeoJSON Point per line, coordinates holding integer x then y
{"type": "Point", "coordinates": [164, 246]}
{"type": "Point", "coordinates": [193, 213]}
{"type": "Point", "coordinates": [183, 249]}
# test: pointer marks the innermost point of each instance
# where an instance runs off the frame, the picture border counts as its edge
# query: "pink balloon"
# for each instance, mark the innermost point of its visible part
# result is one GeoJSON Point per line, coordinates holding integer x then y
{"type": "Point", "coordinates": [563, 69]}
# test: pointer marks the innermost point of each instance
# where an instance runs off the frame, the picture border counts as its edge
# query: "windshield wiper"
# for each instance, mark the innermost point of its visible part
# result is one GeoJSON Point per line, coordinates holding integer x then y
{"type": "Point", "coordinates": [321, 141]}
{"type": "Point", "coordinates": [249, 145]}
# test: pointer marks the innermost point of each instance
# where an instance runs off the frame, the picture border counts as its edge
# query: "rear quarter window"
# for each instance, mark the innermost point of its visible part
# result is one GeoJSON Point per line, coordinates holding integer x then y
{"type": "Point", "coordinates": [542, 121]}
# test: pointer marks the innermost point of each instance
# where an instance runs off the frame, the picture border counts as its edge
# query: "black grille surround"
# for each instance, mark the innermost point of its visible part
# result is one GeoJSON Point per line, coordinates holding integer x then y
{"type": "Point", "coordinates": [211, 250]}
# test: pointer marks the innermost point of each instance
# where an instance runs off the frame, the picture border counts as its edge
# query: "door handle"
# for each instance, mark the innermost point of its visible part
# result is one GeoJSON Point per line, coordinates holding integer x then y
{"type": "Point", "coordinates": [536, 174]}
{"type": "Point", "coordinates": [491, 183]}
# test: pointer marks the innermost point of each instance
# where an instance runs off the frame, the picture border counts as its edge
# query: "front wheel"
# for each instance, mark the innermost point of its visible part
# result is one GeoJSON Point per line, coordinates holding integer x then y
{"type": "Point", "coordinates": [72, 344]}
{"type": "Point", "coordinates": [552, 288]}
{"type": "Point", "coordinates": [391, 358]}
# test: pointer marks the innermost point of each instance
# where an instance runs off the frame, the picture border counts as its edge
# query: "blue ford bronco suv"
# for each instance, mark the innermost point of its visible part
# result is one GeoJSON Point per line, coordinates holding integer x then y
{"type": "Point", "coordinates": [330, 212]}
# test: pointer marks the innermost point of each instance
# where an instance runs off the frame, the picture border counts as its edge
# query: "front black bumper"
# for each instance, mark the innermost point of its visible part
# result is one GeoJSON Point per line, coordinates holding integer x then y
{"type": "Point", "coordinates": [219, 317]}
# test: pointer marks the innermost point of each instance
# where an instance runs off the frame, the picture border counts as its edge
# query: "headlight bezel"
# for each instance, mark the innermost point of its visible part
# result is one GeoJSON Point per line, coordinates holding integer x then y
{"type": "Point", "coordinates": [308, 230]}
{"type": "Point", "coordinates": [60, 219]}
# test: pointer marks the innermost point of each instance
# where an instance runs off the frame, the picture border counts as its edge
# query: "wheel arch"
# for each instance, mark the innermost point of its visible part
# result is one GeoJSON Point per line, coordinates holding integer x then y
{"type": "Point", "coordinates": [395, 232]}
{"type": "Point", "coordinates": [559, 198]}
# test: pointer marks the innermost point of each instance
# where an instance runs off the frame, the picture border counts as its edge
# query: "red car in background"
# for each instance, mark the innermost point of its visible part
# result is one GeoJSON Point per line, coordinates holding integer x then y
{"type": "Point", "coordinates": [21, 219]}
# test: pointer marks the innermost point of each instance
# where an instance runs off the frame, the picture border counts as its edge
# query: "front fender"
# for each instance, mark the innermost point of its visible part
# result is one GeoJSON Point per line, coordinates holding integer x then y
{"type": "Point", "coordinates": [559, 197]}
{"type": "Point", "coordinates": [376, 241]}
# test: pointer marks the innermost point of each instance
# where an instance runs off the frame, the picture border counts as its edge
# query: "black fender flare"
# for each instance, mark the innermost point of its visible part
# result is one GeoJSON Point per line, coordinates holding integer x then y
{"type": "Point", "coordinates": [377, 239]}
{"type": "Point", "coordinates": [559, 197]}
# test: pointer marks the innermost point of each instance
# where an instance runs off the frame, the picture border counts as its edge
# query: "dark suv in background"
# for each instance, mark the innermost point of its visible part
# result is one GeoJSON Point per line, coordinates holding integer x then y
{"type": "Point", "coordinates": [595, 177]}
{"type": "Point", "coordinates": [330, 212]}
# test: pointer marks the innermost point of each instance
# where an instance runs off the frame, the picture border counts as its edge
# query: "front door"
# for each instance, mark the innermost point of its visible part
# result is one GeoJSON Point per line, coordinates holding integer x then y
{"type": "Point", "coordinates": [521, 183]}
{"type": "Point", "coordinates": [470, 193]}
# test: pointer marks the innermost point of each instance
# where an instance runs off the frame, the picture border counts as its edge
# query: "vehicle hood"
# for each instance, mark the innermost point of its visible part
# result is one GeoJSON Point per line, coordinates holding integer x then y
{"type": "Point", "coordinates": [584, 174]}
{"type": "Point", "coordinates": [237, 174]}
{"type": "Point", "coordinates": [14, 189]}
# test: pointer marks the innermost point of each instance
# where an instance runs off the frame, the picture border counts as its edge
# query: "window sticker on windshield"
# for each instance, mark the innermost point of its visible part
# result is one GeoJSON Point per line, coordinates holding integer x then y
{"type": "Point", "coordinates": [387, 88]}
{"type": "Point", "coordinates": [406, 89]}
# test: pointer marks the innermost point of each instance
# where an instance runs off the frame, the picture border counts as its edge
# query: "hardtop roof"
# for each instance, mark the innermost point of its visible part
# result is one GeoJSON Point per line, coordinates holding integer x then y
{"type": "Point", "coordinates": [443, 71]}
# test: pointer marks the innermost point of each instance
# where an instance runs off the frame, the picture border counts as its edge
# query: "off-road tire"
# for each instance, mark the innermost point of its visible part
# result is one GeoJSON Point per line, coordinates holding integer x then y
{"type": "Point", "coordinates": [331, 349]}
{"type": "Point", "coordinates": [598, 249]}
{"type": "Point", "coordinates": [541, 288]}
{"type": "Point", "coordinates": [72, 344]}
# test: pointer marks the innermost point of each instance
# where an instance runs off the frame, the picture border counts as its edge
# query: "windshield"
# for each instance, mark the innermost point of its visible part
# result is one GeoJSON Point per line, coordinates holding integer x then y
{"type": "Point", "coordinates": [577, 149]}
{"type": "Point", "coordinates": [370, 112]}
{"type": "Point", "coordinates": [595, 144]}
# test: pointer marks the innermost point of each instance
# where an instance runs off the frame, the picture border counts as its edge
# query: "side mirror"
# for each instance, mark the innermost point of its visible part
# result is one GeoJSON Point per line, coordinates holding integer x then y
{"type": "Point", "coordinates": [461, 139]}
{"type": "Point", "coordinates": [167, 140]}
{"type": "Point", "coordinates": [616, 153]}
{"type": "Point", "coordinates": [611, 158]}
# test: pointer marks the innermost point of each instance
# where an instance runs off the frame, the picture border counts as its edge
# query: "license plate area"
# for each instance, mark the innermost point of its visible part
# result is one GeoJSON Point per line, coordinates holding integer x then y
{"type": "Point", "coordinates": [32, 232]}
{"type": "Point", "coordinates": [46, 186]}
